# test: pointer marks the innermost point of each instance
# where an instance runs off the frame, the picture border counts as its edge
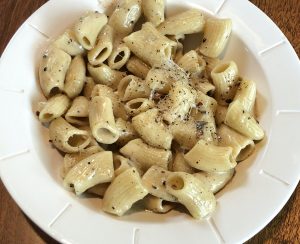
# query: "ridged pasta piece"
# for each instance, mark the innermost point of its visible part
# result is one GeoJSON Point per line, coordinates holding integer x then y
{"type": "Point", "coordinates": [103, 48]}
{"type": "Point", "coordinates": [123, 192]}
{"type": "Point", "coordinates": [178, 102]}
{"type": "Point", "coordinates": [119, 56]}
{"type": "Point", "coordinates": [71, 159]}
{"type": "Point", "coordinates": [243, 122]}
{"type": "Point", "coordinates": [103, 74]}
{"type": "Point", "coordinates": [216, 36]}
{"type": "Point", "coordinates": [87, 28]}
{"type": "Point", "coordinates": [226, 80]}
{"type": "Point", "coordinates": [161, 47]}
{"type": "Point", "coordinates": [187, 22]}
{"type": "Point", "coordinates": [193, 64]}
{"type": "Point", "coordinates": [137, 67]}
{"type": "Point", "coordinates": [159, 80]}
{"type": "Point", "coordinates": [246, 94]}
{"type": "Point", "coordinates": [66, 137]}
{"type": "Point", "coordinates": [154, 11]}
{"type": "Point", "coordinates": [131, 87]}
{"type": "Point", "coordinates": [118, 107]}
{"type": "Point", "coordinates": [147, 156]}
{"type": "Point", "coordinates": [68, 43]}
{"type": "Point", "coordinates": [152, 130]}
{"type": "Point", "coordinates": [192, 193]}
{"type": "Point", "coordinates": [79, 111]}
{"type": "Point", "coordinates": [93, 170]}
{"type": "Point", "coordinates": [75, 77]}
{"type": "Point", "coordinates": [211, 158]}
{"type": "Point", "coordinates": [242, 146]}
{"type": "Point", "coordinates": [102, 121]}
{"type": "Point", "coordinates": [53, 108]}
{"type": "Point", "coordinates": [52, 71]}
{"type": "Point", "coordinates": [126, 131]}
{"type": "Point", "coordinates": [215, 181]}
{"type": "Point", "coordinates": [154, 180]}
{"type": "Point", "coordinates": [125, 16]}
{"type": "Point", "coordinates": [138, 105]}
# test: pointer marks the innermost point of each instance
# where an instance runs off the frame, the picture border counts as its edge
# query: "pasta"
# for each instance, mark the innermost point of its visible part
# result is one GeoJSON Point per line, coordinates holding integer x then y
{"type": "Point", "coordinates": [139, 116]}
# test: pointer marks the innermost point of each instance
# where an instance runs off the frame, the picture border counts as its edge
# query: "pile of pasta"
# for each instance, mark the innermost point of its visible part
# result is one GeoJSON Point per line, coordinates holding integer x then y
{"type": "Point", "coordinates": [139, 120]}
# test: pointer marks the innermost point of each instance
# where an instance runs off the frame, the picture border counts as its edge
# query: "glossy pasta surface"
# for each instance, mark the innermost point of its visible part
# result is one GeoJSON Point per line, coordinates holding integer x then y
{"type": "Point", "coordinates": [137, 118]}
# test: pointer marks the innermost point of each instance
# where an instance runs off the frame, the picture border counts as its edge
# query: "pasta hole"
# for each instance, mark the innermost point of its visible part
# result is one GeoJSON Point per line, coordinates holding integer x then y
{"type": "Point", "coordinates": [245, 152]}
{"type": "Point", "coordinates": [77, 140]}
{"type": "Point", "coordinates": [103, 52]}
{"type": "Point", "coordinates": [47, 116]}
{"type": "Point", "coordinates": [221, 68]}
{"type": "Point", "coordinates": [119, 57]}
{"type": "Point", "coordinates": [105, 134]}
{"type": "Point", "coordinates": [176, 183]}
{"type": "Point", "coordinates": [86, 41]}
{"type": "Point", "coordinates": [54, 91]}
{"type": "Point", "coordinates": [135, 105]}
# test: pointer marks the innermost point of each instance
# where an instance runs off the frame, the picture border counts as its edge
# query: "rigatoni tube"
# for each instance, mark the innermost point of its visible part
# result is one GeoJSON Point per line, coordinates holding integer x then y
{"type": "Point", "coordinates": [123, 192]}
{"type": "Point", "coordinates": [102, 121]}
{"type": "Point", "coordinates": [145, 155]}
{"type": "Point", "coordinates": [192, 193]}
{"type": "Point", "coordinates": [66, 137]}
{"type": "Point", "coordinates": [208, 157]}
{"type": "Point", "coordinates": [95, 169]}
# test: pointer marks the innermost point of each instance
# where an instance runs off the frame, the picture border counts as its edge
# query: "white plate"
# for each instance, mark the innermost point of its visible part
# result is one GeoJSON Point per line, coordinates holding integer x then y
{"type": "Point", "coordinates": [29, 167]}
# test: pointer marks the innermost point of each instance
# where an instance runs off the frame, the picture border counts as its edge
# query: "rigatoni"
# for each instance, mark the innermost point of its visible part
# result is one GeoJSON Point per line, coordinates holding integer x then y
{"type": "Point", "coordinates": [102, 121]}
{"type": "Point", "coordinates": [192, 193]}
{"type": "Point", "coordinates": [214, 181]}
{"type": "Point", "coordinates": [66, 137]}
{"type": "Point", "coordinates": [126, 131]}
{"type": "Point", "coordinates": [156, 204]}
{"type": "Point", "coordinates": [75, 77]}
{"type": "Point", "coordinates": [55, 107]}
{"type": "Point", "coordinates": [137, 67]}
{"type": "Point", "coordinates": [123, 192]}
{"type": "Point", "coordinates": [243, 122]}
{"type": "Point", "coordinates": [88, 27]}
{"type": "Point", "coordinates": [93, 170]}
{"type": "Point", "coordinates": [131, 87]}
{"type": "Point", "coordinates": [52, 71]}
{"type": "Point", "coordinates": [225, 79]}
{"type": "Point", "coordinates": [154, 11]}
{"type": "Point", "coordinates": [216, 36]}
{"type": "Point", "coordinates": [138, 105]}
{"type": "Point", "coordinates": [152, 130]}
{"type": "Point", "coordinates": [161, 47]}
{"type": "Point", "coordinates": [68, 43]}
{"type": "Point", "coordinates": [242, 146]}
{"type": "Point", "coordinates": [79, 111]}
{"type": "Point", "coordinates": [103, 48]}
{"type": "Point", "coordinates": [208, 157]}
{"type": "Point", "coordinates": [188, 22]}
{"type": "Point", "coordinates": [103, 74]}
{"type": "Point", "coordinates": [154, 181]}
{"type": "Point", "coordinates": [125, 16]}
{"type": "Point", "coordinates": [145, 155]}
{"type": "Point", "coordinates": [119, 56]}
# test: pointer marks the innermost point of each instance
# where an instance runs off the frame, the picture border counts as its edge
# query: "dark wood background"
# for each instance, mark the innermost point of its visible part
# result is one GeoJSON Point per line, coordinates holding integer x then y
{"type": "Point", "coordinates": [15, 227]}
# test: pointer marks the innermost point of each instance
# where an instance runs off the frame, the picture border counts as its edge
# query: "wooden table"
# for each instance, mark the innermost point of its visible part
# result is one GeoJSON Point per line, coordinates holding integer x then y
{"type": "Point", "coordinates": [15, 227]}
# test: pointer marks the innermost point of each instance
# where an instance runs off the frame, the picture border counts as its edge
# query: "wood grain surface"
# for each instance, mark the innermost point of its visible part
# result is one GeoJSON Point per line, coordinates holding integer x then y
{"type": "Point", "coordinates": [15, 227]}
